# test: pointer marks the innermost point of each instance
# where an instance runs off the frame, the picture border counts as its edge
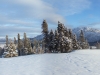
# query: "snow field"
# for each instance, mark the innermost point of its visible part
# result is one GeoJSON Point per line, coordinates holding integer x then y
{"type": "Point", "coordinates": [79, 62]}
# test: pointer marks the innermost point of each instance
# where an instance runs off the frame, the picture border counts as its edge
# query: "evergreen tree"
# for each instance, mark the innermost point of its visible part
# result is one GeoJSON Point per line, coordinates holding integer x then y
{"type": "Point", "coordinates": [34, 49]}
{"type": "Point", "coordinates": [60, 27]}
{"type": "Point", "coordinates": [45, 33]}
{"type": "Point", "coordinates": [11, 52]}
{"type": "Point", "coordinates": [15, 42]}
{"type": "Point", "coordinates": [20, 46]}
{"type": "Point", "coordinates": [83, 42]}
{"type": "Point", "coordinates": [51, 39]}
{"type": "Point", "coordinates": [75, 43]}
{"type": "Point", "coordinates": [61, 42]}
{"type": "Point", "coordinates": [70, 34]}
{"type": "Point", "coordinates": [56, 40]}
{"type": "Point", "coordinates": [25, 40]}
{"type": "Point", "coordinates": [27, 45]}
{"type": "Point", "coordinates": [66, 33]}
{"type": "Point", "coordinates": [39, 49]}
{"type": "Point", "coordinates": [7, 40]}
{"type": "Point", "coordinates": [98, 45]}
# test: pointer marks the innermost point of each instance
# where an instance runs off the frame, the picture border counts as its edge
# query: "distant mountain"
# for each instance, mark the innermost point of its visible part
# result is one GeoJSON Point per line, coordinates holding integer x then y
{"type": "Point", "coordinates": [91, 34]}
{"type": "Point", "coordinates": [39, 37]}
{"type": "Point", "coordinates": [2, 40]}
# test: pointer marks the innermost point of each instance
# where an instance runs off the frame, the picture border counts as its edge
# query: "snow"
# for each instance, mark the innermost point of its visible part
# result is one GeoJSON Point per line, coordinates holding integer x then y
{"type": "Point", "coordinates": [79, 62]}
{"type": "Point", "coordinates": [91, 34]}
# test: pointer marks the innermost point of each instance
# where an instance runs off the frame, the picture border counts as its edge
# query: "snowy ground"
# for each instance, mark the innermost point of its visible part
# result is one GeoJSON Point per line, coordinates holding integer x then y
{"type": "Point", "coordinates": [80, 62]}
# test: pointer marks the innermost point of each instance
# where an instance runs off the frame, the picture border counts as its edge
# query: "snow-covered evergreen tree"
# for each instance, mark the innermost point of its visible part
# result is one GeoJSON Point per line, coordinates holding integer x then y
{"type": "Point", "coordinates": [45, 33]}
{"type": "Point", "coordinates": [83, 42]}
{"type": "Point", "coordinates": [51, 43]}
{"type": "Point", "coordinates": [20, 46]}
{"type": "Point", "coordinates": [7, 40]}
{"type": "Point", "coordinates": [75, 43]}
{"type": "Point", "coordinates": [15, 41]}
{"type": "Point", "coordinates": [27, 45]}
{"type": "Point", "coordinates": [34, 49]}
{"type": "Point", "coordinates": [98, 45]}
{"type": "Point", "coordinates": [66, 33]}
{"type": "Point", "coordinates": [70, 34]}
{"type": "Point", "coordinates": [39, 49]}
{"type": "Point", "coordinates": [56, 40]}
{"type": "Point", "coordinates": [11, 51]}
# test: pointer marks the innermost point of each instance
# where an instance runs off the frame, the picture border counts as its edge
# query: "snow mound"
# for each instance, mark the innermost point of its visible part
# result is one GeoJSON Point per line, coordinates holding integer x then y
{"type": "Point", "coordinates": [79, 62]}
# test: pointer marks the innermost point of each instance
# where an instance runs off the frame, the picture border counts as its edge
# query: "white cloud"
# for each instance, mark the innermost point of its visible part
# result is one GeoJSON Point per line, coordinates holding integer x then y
{"type": "Point", "coordinates": [70, 7]}
{"type": "Point", "coordinates": [51, 10]}
{"type": "Point", "coordinates": [20, 13]}
{"type": "Point", "coordinates": [95, 25]}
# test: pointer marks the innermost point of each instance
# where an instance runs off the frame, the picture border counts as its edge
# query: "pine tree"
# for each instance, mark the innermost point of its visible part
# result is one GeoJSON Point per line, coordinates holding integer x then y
{"type": "Point", "coordinates": [82, 39]}
{"type": "Point", "coordinates": [7, 40]}
{"type": "Point", "coordinates": [39, 49]}
{"type": "Point", "coordinates": [64, 39]}
{"type": "Point", "coordinates": [11, 52]}
{"type": "Point", "coordinates": [45, 33]}
{"type": "Point", "coordinates": [56, 40]}
{"type": "Point", "coordinates": [15, 42]}
{"type": "Point", "coordinates": [98, 45]}
{"type": "Point", "coordinates": [70, 34]}
{"type": "Point", "coordinates": [75, 43]}
{"type": "Point", "coordinates": [83, 42]}
{"type": "Point", "coordinates": [61, 42]}
{"type": "Point", "coordinates": [66, 33]}
{"type": "Point", "coordinates": [51, 39]}
{"type": "Point", "coordinates": [26, 48]}
{"type": "Point", "coordinates": [25, 40]}
{"type": "Point", "coordinates": [20, 46]}
{"type": "Point", "coordinates": [60, 27]}
{"type": "Point", "coordinates": [34, 49]}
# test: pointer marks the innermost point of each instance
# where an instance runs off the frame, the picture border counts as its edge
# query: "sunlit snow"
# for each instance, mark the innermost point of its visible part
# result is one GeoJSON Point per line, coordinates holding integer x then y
{"type": "Point", "coordinates": [79, 62]}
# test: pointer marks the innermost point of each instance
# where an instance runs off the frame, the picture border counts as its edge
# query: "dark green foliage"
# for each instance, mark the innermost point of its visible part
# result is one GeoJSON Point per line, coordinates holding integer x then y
{"type": "Point", "coordinates": [7, 40]}
{"type": "Point", "coordinates": [83, 42]}
{"type": "Point", "coordinates": [45, 33]}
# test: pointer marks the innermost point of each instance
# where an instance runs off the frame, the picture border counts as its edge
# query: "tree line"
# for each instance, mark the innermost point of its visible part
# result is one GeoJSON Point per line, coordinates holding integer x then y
{"type": "Point", "coordinates": [61, 40]}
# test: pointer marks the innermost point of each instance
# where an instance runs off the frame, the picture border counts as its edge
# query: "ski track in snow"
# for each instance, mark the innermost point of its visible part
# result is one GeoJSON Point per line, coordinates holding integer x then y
{"type": "Point", "coordinates": [82, 62]}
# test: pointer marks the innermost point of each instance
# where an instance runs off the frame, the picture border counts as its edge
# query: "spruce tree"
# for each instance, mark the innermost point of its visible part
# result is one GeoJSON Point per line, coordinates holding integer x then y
{"type": "Point", "coordinates": [7, 40]}
{"type": "Point", "coordinates": [66, 33]}
{"type": "Point", "coordinates": [34, 49]}
{"type": "Point", "coordinates": [20, 46]}
{"type": "Point", "coordinates": [45, 33]}
{"type": "Point", "coordinates": [15, 42]}
{"type": "Point", "coordinates": [56, 40]}
{"type": "Point", "coordinates": [98, 45]}
{"type": "Point", "coordinates": [51, 39]}
{"type": "Point", "coordinates": [25, 40]}
{"type": "Point", "coordinates": [11, 52]}
{"type": "Point", "coordinates": [27, 45]}
{"type": "Point", "coordinates": [70, 34]}
{"type": "Point", "coordinates": [83, 42]}
{"type": "Point", "coordinates": [75, 43]}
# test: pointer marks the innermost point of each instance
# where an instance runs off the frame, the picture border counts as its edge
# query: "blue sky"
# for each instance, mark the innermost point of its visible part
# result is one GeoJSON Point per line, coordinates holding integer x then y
{"type": "Point", "coordinates": [19, 16]}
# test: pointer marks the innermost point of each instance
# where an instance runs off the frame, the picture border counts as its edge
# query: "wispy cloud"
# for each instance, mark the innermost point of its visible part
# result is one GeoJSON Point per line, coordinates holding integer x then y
{"type": "Point", "coordinates": [18, 13]}
{"type": "Point", "coordinates": [95, 25]}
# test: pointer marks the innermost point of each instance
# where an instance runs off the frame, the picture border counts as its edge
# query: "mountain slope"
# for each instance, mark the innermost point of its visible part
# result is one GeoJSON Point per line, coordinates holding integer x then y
{"type": "Point", "coordinates": [80, 62]}
{"type": "Point", "coordinates": [91, 34]}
